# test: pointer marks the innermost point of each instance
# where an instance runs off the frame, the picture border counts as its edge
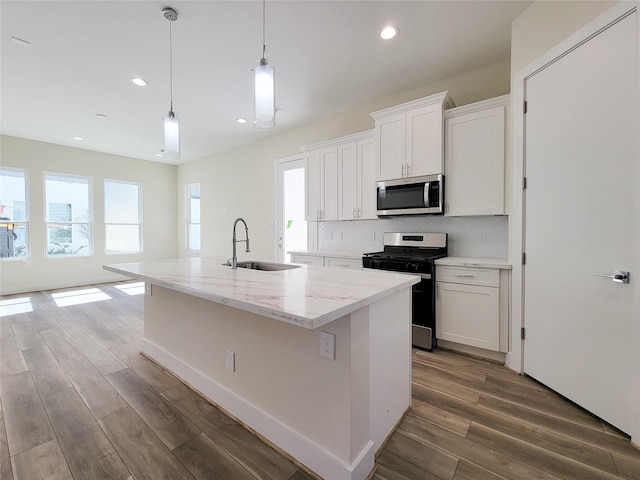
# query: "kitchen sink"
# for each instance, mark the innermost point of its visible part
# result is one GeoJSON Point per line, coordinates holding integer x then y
{"type": "Point", "coordinates": [267, 266]}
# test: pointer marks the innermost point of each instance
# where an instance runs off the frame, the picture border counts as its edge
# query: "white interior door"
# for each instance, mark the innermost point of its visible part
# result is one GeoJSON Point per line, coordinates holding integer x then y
{"type": "Point", "coordinates": [291, 226]}
{"type": "Point", "coordinates": [581, 211]}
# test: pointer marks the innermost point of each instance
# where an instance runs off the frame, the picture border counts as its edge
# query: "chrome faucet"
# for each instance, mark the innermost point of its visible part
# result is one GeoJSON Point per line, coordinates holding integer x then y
{"type": "Point", "coordinates": [234, 259]}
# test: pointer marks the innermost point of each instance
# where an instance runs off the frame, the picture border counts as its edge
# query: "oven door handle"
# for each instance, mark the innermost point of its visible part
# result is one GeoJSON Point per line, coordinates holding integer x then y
{"type": "Point", "coordinates": [425, 276]}
{"type": "Point", "coordinates": [426, 194]}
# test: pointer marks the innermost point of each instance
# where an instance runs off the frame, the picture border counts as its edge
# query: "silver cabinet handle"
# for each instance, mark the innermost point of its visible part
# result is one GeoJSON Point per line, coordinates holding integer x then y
{"type": "Point", "coordinates": [355, 215]}
{"type": "Point", "coordinates": [403, 170]}
{"type": "Point", "coordinates": [463, 275]}
{"type": "Point", "coordinates": [619, 276]}
{"type": "Point", "coordinates": [407, 169]}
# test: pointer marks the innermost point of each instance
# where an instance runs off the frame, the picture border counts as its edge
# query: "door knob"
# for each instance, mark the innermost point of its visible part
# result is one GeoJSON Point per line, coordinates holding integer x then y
{"type": "Point", "coordinates": [619, 276]}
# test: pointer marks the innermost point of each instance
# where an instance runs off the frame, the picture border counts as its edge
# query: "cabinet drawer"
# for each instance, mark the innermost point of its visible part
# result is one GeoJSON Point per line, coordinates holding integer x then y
{"type": "Point", "coordinates": [488, 277]}
{"type": "Point", "coordinates": [307, 260]}
{"type": "Point", "coordinates": [343, 262]}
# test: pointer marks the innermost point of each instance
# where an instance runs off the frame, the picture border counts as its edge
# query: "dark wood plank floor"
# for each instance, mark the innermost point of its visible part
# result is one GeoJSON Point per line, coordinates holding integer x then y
{"type": "Point", "coordinates": [78, 401]}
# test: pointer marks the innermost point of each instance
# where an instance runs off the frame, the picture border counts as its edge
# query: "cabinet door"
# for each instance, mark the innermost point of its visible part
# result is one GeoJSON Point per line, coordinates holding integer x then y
{"type": "Point", "coordinates": [474, 164]}
{"type": "Point", "coordinates": [367, 180]}
{"type": "Point", "coordinates": [343, 262]}
{"type": "Point", "coordinates": [424, 140]}
{"type": "Point", "coordinates": [468, 314]}
{"type": "Point", "coordinates": [313, 186]}
{"type": "Point", "coordinates": [307, 259]}
{"type": "Point", "coordinates": [390, 140]}
{"type": "Point", "coordinates": [347, 181]}
{"type": "Point", "coordinates": [329, 182]}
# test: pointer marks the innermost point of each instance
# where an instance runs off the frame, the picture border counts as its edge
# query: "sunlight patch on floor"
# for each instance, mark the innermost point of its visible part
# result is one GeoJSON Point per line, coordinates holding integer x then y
{"type": "Point", "coordinates": [14, 306]}
{"type": "Point", "coordinates": [136, 288]}
{"type": "Point", "coordinates": [77, 297]}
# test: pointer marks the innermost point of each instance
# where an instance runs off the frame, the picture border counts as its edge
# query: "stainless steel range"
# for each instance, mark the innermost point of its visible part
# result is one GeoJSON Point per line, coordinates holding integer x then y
{"type": "Point", "coordinates": [414, 253]}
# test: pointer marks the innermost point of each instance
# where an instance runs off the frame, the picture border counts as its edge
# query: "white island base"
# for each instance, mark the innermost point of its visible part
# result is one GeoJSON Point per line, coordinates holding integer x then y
{"type": "Point", "coordinates": [331, 416]}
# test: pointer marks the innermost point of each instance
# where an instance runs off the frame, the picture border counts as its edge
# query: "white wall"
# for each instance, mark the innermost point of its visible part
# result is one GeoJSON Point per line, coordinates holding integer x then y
{"type": "Point", "coordinates": [159, 213]}
{"type": "Point", "coordinates": [545, 24]}
{"type": "Point", "coordinates": [243, 178]}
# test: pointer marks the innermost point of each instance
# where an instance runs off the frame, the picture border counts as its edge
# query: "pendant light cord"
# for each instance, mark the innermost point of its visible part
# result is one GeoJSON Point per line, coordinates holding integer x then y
{"type": "Point", "coordinates": [264, 43]}
{"type": "Point", "coordinates": [170, 67]}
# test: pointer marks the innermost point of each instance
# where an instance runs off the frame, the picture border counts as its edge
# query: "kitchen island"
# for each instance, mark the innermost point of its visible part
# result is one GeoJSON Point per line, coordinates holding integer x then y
{"type": "Point", "coordinates": [254, 343]}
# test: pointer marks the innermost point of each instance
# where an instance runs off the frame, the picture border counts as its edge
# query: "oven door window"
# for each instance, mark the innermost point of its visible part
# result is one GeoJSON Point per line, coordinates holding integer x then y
{"type": "Point", "coordinates": [401, 197]}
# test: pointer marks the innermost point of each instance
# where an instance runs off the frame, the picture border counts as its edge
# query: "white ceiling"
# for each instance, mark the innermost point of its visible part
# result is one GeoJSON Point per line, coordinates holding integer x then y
{"type": "Point", "coordinates": [328, 58]}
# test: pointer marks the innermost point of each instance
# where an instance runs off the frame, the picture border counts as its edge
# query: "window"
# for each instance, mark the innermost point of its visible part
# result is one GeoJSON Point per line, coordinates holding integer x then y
{"type": "Point", "coordinates": [13, 213]}
{"type": "Point", "coordinates": [68, 215]}
{"type": "Point", "coordinates": [122, 217]}
{"type": "Point", "coordinates": [193, 217]}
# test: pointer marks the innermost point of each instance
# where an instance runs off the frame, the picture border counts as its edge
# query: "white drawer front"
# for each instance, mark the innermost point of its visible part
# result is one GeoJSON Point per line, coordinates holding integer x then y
{"type": "Point", "coordinates": [307, 260]}
{"type": "Point", "coordinates": [488, 277]}
{"type": "Point", "coordinates": [343, 262]}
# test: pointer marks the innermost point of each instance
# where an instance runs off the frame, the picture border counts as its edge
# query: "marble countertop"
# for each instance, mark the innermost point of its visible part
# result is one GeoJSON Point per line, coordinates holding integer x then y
{"type": "Point", "coordinates": [327, 253]}
{"type": "Point", "coordinates": [308, 296]}
{"type": "Point", "coordinates": [501, 263]}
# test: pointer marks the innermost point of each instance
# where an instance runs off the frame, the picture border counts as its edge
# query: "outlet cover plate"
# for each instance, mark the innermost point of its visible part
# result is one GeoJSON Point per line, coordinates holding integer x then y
{"type": "Point", "coordinates": [328, 345]}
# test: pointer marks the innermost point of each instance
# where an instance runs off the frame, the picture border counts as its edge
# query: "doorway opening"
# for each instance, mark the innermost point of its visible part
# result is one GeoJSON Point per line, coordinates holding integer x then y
{"type": "Point", "coordinates": [292, 226]}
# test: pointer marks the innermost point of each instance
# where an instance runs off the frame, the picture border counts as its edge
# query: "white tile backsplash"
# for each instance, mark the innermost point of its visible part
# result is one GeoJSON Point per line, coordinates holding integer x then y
{"type": "Point", "coordinates": [485, 236]}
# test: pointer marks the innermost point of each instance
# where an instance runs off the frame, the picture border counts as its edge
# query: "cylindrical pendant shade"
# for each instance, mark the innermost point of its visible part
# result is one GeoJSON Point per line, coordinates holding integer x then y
{"type": "Point", "coordinates": [171, 136]}
{"type": "Point", "coordinates": [265, 110]}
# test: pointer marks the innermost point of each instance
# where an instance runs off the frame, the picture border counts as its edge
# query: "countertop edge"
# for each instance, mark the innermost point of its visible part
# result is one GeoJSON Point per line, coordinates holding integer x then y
{"type": "Point", "coordinates": [266, 312]}
{"type": "Point", "coordinates": [327, 253]}
{"type": "Point", "coordinates": [496, 263]}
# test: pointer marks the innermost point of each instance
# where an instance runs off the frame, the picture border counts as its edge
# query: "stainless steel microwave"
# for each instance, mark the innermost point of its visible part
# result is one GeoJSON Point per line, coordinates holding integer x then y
{"type": "Point", "coordinates": [411, 196]}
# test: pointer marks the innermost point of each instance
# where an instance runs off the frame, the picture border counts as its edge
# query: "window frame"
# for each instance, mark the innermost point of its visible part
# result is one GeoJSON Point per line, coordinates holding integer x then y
{"type": "Point", "coordinates": [188, 222]}
{"type": "Point", "coordinates": [89, 223]}
{"type": "Point", "coordinates": [27, 214]}
{"type": "Point", "coordinates": [140, 218]}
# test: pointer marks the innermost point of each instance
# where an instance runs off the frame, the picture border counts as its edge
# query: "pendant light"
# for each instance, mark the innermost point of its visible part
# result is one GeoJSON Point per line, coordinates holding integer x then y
{"type": "Point", "coordinates": [265, 106]}
{"type": "Point", "coordinates": [171, 124]}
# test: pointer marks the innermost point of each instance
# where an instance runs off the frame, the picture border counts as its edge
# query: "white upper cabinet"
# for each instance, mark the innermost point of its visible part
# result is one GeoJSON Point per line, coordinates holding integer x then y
{"type": "Point", "coordinates": [475, 153]}
{"type": "Point", "coordinates": [409, 138]}
{"type": "Point", "coordinates": [341, 179]}
{"type": "Point", "coordinates": [356, 180]}
{"type": "Point", "coordinates": [329, 182]}
{"type": "Point", "coordinates": [322, 184]}
{"type": "Point", "coordinates": [312, 187]}
{"type": "Point", "coordinates": [367, 178]}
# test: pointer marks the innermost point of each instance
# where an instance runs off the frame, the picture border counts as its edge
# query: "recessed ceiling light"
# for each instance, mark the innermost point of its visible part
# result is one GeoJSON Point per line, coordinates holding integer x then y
{"type": "Point", "coordinates": [389, 32]}
{"type": "Point", "coordinates": [101, 115]}
{"type": "Point", "coordinates": [77, 138]}
{"type": "Point", "coordinates": [241, 120]}
{"type": "Point", "coordinates": [141, 82]}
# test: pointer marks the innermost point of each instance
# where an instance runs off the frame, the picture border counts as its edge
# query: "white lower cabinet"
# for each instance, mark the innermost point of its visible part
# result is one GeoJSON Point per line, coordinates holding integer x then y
{"type": "Point", "coordinates": [307, 259]}
{"type": "Point", "coordinates": [342, 262]}
{"type": "Point", "coordinates": [472, 305]}
{"type": "Point", "coordinates": [328, 260]}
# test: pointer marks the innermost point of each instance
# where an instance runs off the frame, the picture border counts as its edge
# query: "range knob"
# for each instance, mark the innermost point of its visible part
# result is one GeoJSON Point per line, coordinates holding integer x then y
{"type": "Point", "coordinates": [412, 267]}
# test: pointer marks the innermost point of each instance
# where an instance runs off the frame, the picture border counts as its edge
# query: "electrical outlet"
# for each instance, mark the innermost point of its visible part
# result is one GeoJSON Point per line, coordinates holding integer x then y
{"type": "Point", "coordinates": [231, 361]}
{"type": "Point", "coordinates": [372, 236]}
{"type": "Point", "coordinates": [339, 235]}
{"type": "Point", "coordinates": [147, 289]}
{"type": "Point", "coordinates": [328, 345]}
{"type": "Point", "coordinates": [481, 238]}
{"type": "Point", "coordinates": [6, 276]}
{"type": "Point", "coordinates": [227, 209]}
{"type": "Point", "coordinates": [330, 235]}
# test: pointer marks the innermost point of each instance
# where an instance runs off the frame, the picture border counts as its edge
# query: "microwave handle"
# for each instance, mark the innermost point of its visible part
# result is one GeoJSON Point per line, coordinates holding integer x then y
{"type": "Point", "coordinates": [426, 194]}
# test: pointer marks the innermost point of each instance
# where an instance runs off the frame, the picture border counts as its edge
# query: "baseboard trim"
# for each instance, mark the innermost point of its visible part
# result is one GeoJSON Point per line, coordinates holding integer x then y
{"type": "Point", "coordinates": [310, 455]}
